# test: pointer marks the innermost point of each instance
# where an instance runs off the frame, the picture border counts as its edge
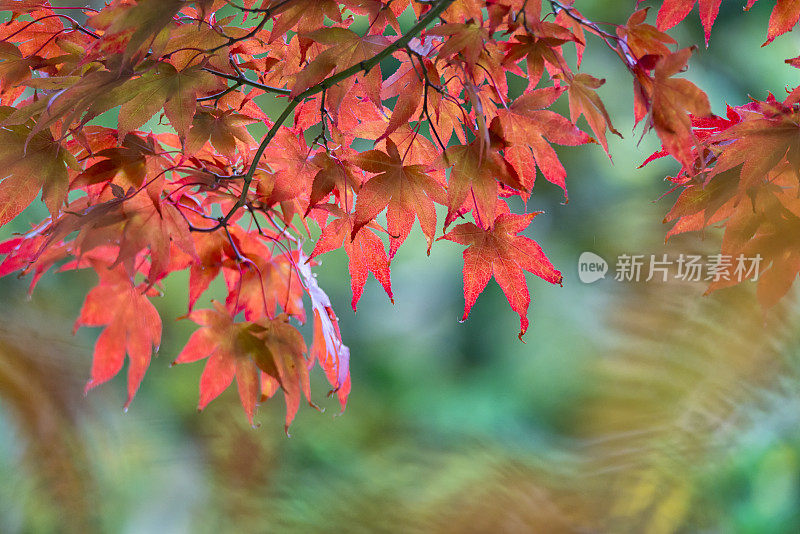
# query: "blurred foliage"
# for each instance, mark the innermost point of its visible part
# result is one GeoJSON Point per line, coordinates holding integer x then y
{"type": "Point", "coordinates": [632, 408]}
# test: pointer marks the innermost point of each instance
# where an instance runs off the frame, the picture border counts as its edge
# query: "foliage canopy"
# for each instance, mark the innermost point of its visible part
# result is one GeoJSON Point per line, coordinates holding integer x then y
{"type": "Point", "coordinates": [432, 99]}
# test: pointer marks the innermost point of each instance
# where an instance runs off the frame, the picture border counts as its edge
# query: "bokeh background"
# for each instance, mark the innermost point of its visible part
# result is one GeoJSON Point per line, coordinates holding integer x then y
{"type": "Point", "coordinates": [630, 408]}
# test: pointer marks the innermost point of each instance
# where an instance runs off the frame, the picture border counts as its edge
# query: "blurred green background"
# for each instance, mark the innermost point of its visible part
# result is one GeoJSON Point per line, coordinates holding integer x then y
{"type": "Point", "coordinates": [630, 408]}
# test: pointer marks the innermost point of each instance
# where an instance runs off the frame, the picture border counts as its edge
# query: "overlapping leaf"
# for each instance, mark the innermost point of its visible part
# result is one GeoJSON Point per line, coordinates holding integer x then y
{"type": "Point", "coordinates": [672, 100]}
{"type": "Point", "coordinates": [245, 351]}
{"type": "Point", "coordinates": [166, 87]}
{"type": "Point", "coordinates": [31, 163]}
{"type": "Point", "coordinates": [527, 123]}
{"type": "Point", "coordinates": [364, 250]}
{"type": "Point", "coordinates": [584, 100]}
{"type": "Point", "coordinates": [407, 190]}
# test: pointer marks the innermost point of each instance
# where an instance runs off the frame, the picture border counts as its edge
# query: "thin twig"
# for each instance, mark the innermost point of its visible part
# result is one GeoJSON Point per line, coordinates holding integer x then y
{"type": "Point", "coordinates": [244, 81]}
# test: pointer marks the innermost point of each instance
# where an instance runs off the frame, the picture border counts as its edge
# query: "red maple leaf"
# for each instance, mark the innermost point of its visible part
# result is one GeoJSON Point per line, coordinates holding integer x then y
{"type": "Point", "coordinates": [784, 15]}
{"type": "Point", "coordinates": [672, 100]}
{"type": "Point", "coordinates": [348, 48]}
{"type": "Point", "coordinates": [240, 350]}
{"type": "Point", "coordinates": [133, 326]}
{"type": "Point", "coordinates": [225, 129]}
{"type": "Point", "coordinates": [166, 87]}
{"type": "Point", "coordinates": [474, 180]}
{"type": "Point", "coordinates": [334, 176]}
{"type": "Point", "coordinates": [31, 162]}
{"type": "Point", "coordinates": [540, 48]}
{"type": "Point", "coordinates": [260, 281]}
{"type": "Point", "coordinates": [584, 100]}
{"type": "Point", "coordinates": [674, 11]}
{"type": "Point", "coordinates": [135, 221]}
{"type": "Point", "coordinates": [407, 191]}
{"type": "Point", "coordinates": [364, 250]}
{"type": "Point", "coordinates": [407, 85]}
{"type": "Point", "coordinates": [307, 15]}
{"type": "Point", "coordinates": [526, 123]}
{"type": "Point", "coordinates": [466, 40]}
{"type": "Point", "coordinates": [502, 253]}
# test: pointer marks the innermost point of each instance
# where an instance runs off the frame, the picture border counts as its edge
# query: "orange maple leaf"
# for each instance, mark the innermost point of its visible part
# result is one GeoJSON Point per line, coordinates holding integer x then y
{"type": "Point", "coordinates": [31, 163]}
{"type": "Point", "coordinates": [365, 251]}
{"type": "Point", "coordinates": [166, 87]}
{"type": "Point", "coordinates": [240, 350]}
{"type": "Point", "coordinates": [133, 326]}
{"type": "Point", "coordinates": [672, 100]}
{"type": "Point", "coordinates": [527, 124]}
{"type": "Point", "coordinates": [407, 190]}
{"type": "Point", "coordinates": [502, 253]}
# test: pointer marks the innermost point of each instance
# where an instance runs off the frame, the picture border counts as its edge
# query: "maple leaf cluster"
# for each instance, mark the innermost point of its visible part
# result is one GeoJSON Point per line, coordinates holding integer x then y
{"type": "Point", "coordinates": [745, 179]}
{"type": "Point", "coordinates": [198, 192]}
{"type": "Point", "coordinates": [741, 172]}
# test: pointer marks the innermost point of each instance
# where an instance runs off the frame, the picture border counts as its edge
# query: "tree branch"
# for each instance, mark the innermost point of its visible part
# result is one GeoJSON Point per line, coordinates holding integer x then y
{"type": "Point", "coordinates": [621, 49]}
{"type": "Point", "coordinates": [244, 81]}
{"type": "Point", "coordinates": [330, 81]}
